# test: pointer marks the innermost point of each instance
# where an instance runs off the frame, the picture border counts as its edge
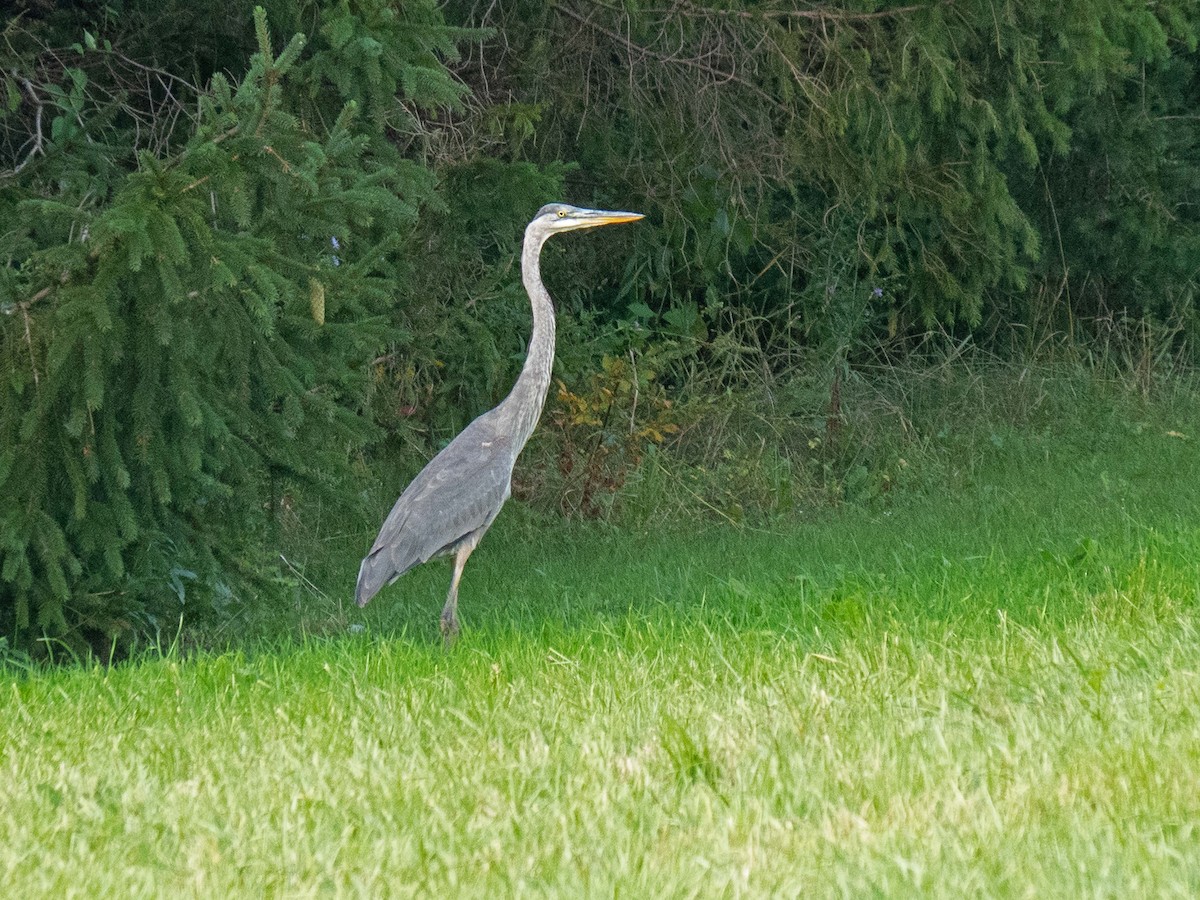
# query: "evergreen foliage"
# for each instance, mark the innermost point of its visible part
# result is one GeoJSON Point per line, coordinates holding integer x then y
{"type": "Point", "coordinates": [185, 331]}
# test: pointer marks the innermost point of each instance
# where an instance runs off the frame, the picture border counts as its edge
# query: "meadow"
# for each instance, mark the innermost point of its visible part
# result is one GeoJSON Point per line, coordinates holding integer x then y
{"type": "Point", "coordinates": [987, 686]}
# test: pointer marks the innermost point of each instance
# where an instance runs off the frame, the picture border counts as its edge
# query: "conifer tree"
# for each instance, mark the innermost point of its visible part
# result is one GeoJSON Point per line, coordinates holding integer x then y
{"type": "Point", "coordinates": [185, 330]}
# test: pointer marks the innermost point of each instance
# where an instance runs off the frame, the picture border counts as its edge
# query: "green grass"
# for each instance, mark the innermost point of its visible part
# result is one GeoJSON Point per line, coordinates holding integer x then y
{"type": "Point", "coordinates": [991, 689]}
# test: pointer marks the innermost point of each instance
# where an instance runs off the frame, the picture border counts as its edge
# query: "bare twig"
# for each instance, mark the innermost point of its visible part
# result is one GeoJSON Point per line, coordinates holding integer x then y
{"type": "Point", "coordinates": [29, 343]}
{"type": "Point", "coordinates": [821, 14]}
{"type": "Point", "coordinates": [38, 137]}
{"type": "Point", "coordinates": [633, 381]}
{"type": "Point", "coordinates": [40, 295]}
{"type": "Point", "coordinates": [161, 73]}
{"type": "Point", "coordinates": [636, 49]}
{"type": "Point", "coordinates": [312, 587]}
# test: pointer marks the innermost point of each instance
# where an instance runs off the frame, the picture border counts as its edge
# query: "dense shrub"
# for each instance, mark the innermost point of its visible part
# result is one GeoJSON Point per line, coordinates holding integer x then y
{"type": "Point", "coordinates": [871, 166]}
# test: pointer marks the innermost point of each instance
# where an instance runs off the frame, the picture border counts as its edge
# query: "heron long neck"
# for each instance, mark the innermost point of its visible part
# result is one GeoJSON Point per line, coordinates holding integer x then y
{"type": "Point", "coordinates": [529, 393]}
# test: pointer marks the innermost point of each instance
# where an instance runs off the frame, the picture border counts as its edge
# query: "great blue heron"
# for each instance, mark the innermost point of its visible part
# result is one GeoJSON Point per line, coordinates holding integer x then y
{"type": "Point", "coordinates": [455, 498]}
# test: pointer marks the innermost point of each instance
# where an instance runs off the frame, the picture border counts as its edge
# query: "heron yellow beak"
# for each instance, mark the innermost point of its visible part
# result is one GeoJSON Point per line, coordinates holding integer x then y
{"type": "Point", "coordinates": [616, 218]}
{"type": "Point", "coordinates": [593, 218]}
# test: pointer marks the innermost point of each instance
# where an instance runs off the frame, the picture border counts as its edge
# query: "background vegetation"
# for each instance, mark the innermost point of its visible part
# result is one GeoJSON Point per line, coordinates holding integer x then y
{"type": "Point", "coordinates": [259, 265]}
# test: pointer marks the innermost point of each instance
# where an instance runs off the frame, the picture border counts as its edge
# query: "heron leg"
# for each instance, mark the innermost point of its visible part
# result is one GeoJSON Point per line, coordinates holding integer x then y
{"type": "Point", "coordinates": [449, 620]}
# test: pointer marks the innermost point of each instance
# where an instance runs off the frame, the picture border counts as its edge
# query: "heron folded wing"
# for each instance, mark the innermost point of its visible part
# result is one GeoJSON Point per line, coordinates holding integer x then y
{"type": "Point", "coordinates": [457, 494]}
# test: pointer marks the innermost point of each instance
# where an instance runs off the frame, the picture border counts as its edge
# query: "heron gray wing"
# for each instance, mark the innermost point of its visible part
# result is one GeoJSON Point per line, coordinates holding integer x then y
{"type": "Point", "coordinates": [458, 493]}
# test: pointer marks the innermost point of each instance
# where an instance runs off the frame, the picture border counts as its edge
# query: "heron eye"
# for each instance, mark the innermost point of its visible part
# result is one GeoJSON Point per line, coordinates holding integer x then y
{"type": "Point", "coordinates": [562, 213]}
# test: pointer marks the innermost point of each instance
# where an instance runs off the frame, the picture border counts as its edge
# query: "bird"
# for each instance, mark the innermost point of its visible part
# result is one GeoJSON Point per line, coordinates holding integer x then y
{"type": "Point", "coordinates": [453, 501]}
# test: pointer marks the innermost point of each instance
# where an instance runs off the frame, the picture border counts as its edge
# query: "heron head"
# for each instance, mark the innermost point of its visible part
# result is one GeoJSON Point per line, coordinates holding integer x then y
{"type": "Point", "coordinates": [555, 217]}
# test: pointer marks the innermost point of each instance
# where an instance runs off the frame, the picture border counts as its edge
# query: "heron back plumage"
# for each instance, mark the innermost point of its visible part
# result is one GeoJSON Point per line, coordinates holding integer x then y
{"type": "Point", "coordinates": [458, 493]}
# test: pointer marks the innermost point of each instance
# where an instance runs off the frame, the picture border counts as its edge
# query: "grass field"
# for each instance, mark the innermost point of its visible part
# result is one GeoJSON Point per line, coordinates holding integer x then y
{"type": "Point", "coordinates": [987, 690]}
